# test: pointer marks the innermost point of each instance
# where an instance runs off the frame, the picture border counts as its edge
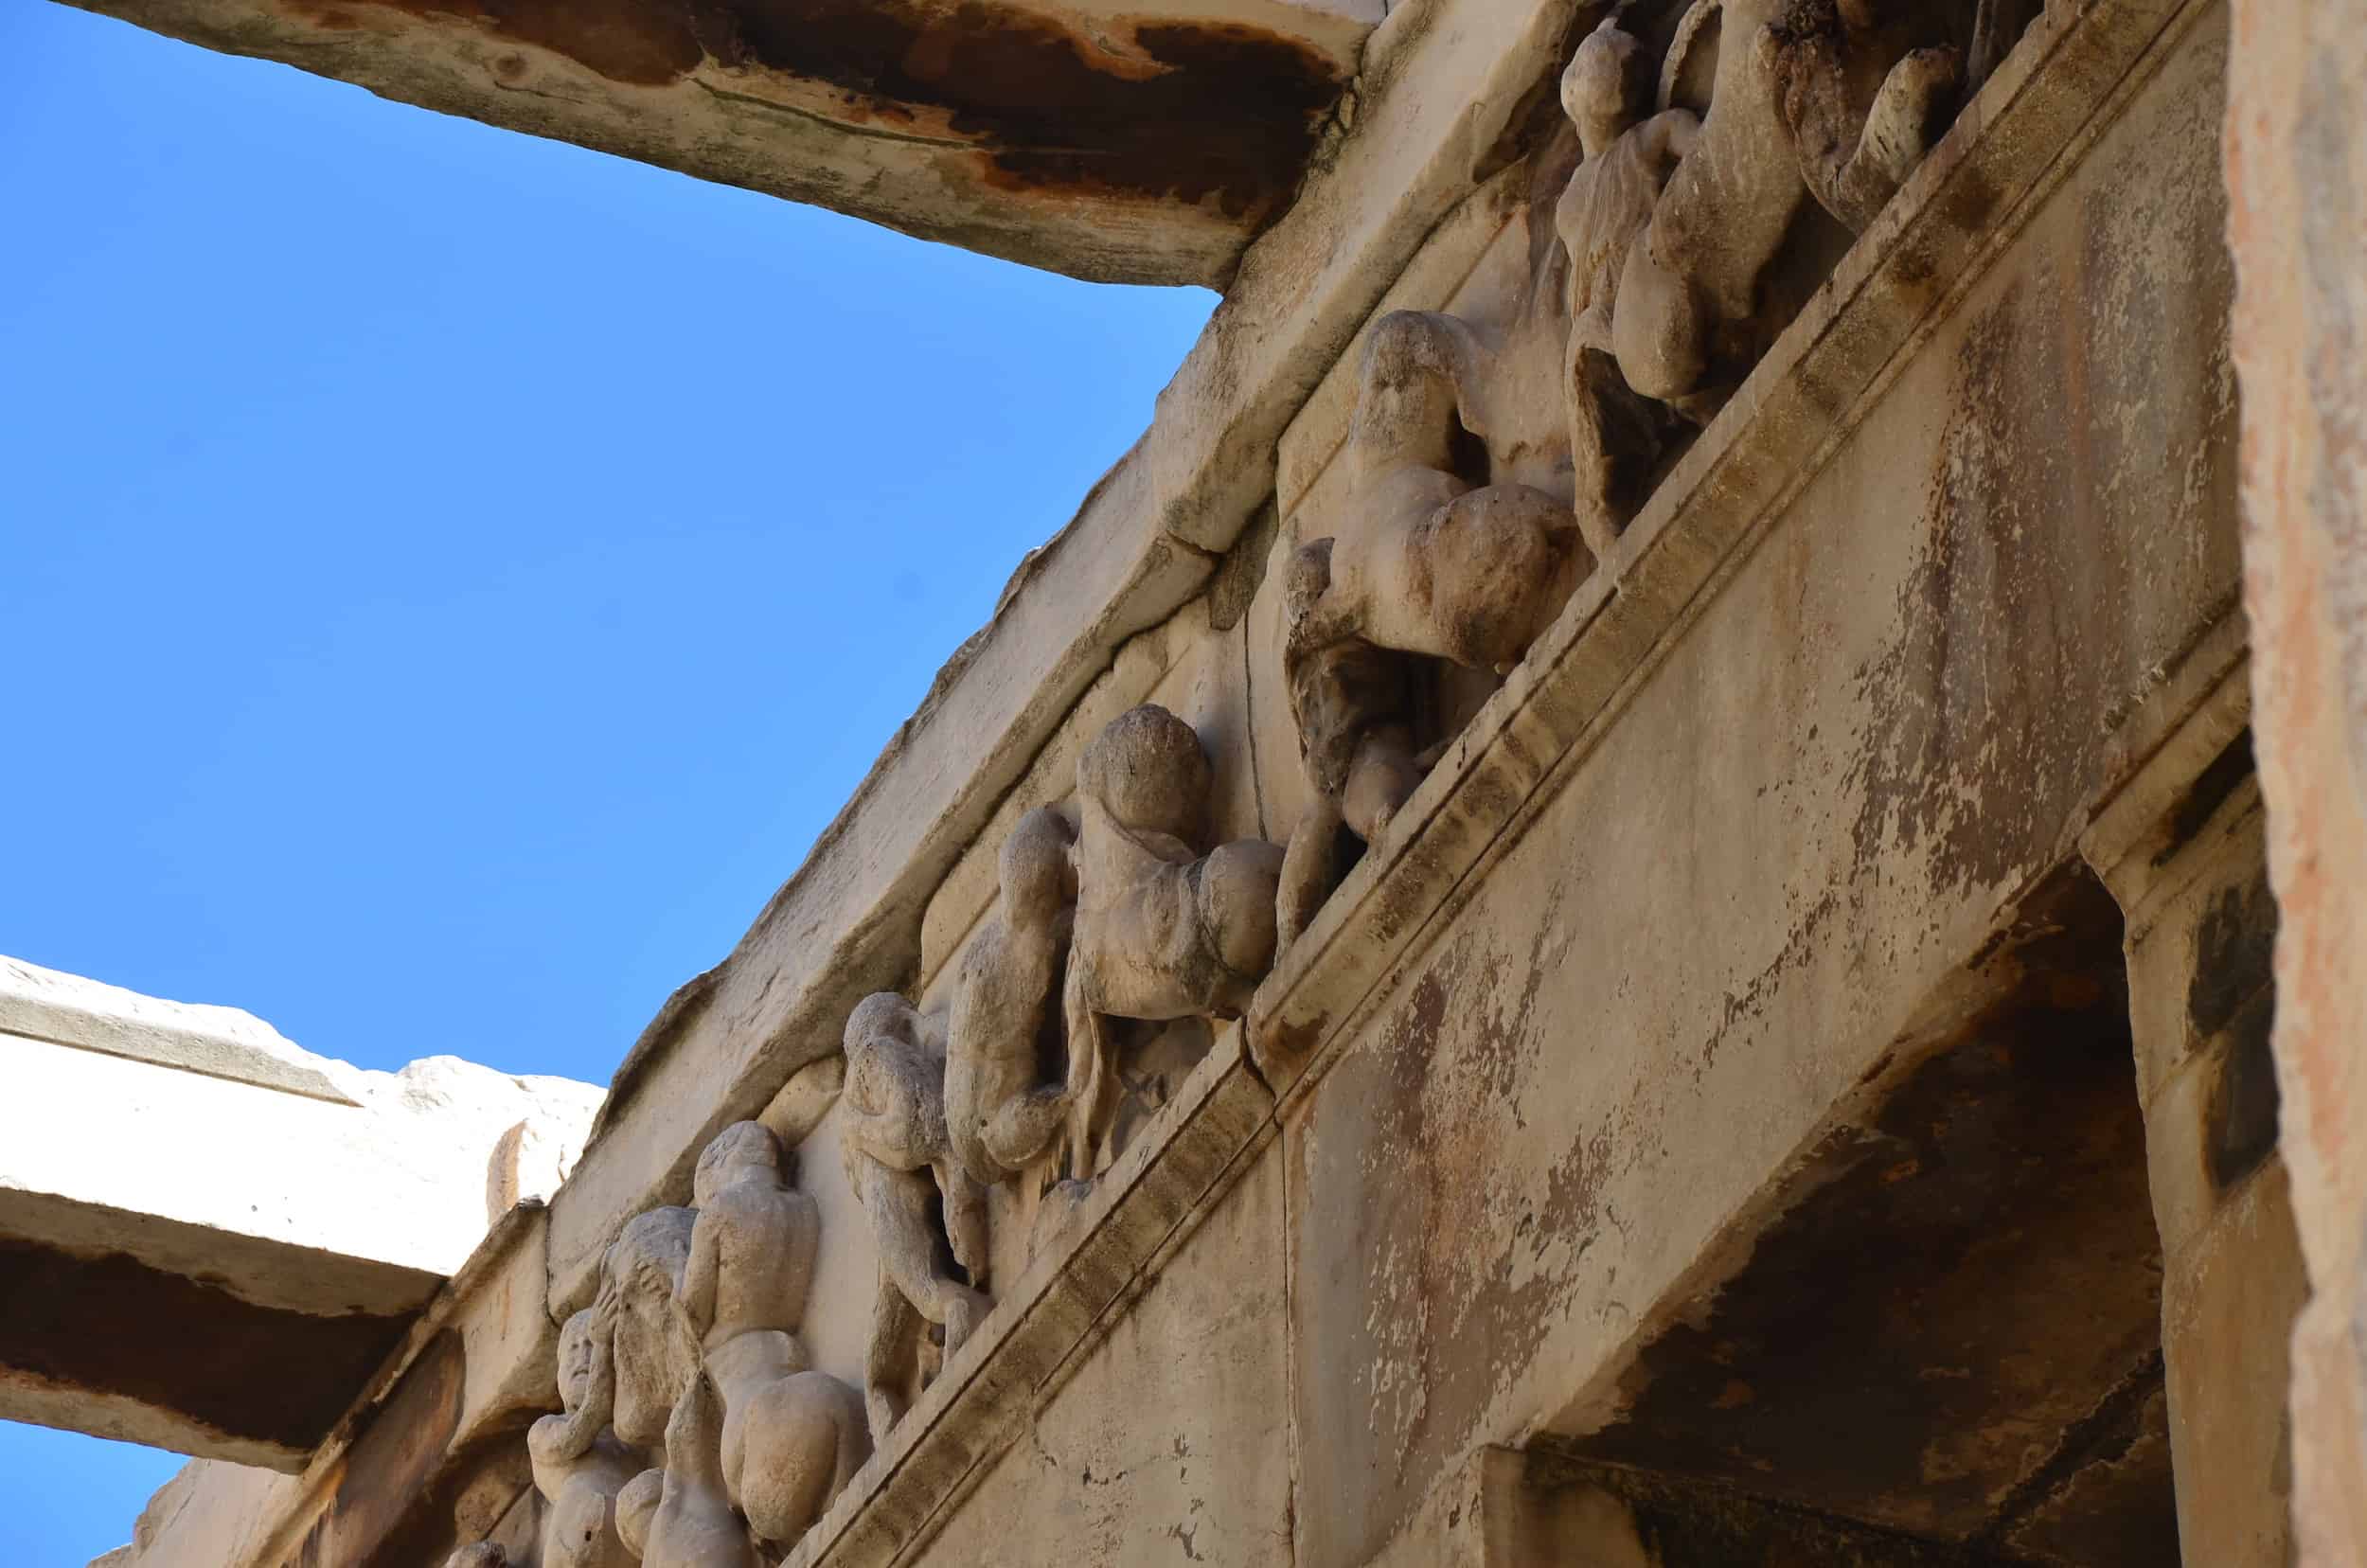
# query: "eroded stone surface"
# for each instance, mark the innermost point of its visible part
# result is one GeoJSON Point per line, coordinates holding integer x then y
{"type": "Point", "coordinates": [2297, 189]}
{"type": "Point", "coordinates": [1716, 1079]}
{"type": "Point", "coordinates": [285, 1211]}
{"type": "Point", "coordinates": [1111, 143]}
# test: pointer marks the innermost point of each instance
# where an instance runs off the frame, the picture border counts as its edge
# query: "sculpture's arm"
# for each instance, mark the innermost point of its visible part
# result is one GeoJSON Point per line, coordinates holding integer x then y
{"type": "Point", "coordinates": [1088, 1045]}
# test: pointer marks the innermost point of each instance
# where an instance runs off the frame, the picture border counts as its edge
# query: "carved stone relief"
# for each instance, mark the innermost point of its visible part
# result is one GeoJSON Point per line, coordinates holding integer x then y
{"type": "Point", "coordinates": [581, 1466]}
{"type": "Point", "coordinates": [691, 1356]}
{"type": "Point", "coordinates": [927, 1216]}
{"type": "Point", "coordinates": [1463, 530]}
{"type": "Point", "coordinates": [791, 1435]}
{"type": "Point", "coordinates": [1005, 1097]}
{"type": "Point", "coordinates": [1109, 914]}
{"type": "Point", "coordinates": [1163, 931]}
{"type": "Point", "coordinates": [1835, 99]}
{"type": "Point", "coordinates": [692, 1524]}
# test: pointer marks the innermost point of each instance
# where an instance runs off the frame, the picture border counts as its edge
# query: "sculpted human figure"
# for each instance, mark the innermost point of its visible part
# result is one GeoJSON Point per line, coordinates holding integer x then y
{"type": "Point", "coordinates": [1000, 1112]}
{"type": "Point", "coordinates": [1810, 95]}
{"type": "Point", "coordinates": [1863, 102]}
{"type": "Point", "coordinates": [682, 1516]}
{"type": "Point", "coordinates": [580, 1466]}
{"type": "Point", "coordinates": [1604, 213]}
{"type": "Point", "coordinates": [791, 1435]}
{"type": "Point", "coordinates": [1162, 932]}
{"type": "Point", "coordinates": [900, 1163]}
{"type": "Point", "coordinates": [648, 1341]}
{"type": "Point", "coordinates": [1430, 563]}
{"type": "Point", "coordinates": [639, 1345]}
{"type": "Point", "coordinates": [1434, 562]}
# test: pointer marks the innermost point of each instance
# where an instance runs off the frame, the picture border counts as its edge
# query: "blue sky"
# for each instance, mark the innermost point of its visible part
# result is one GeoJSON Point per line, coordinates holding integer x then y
{"type": "Point", "coordinates": [448, 579]}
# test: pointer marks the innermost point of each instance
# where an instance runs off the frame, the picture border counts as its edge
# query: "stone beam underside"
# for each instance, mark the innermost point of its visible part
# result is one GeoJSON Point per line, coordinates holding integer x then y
{"type": "Point", "coordinates": [1122, 144]}
{"type": "Point", "coordinates": [211, 1239]}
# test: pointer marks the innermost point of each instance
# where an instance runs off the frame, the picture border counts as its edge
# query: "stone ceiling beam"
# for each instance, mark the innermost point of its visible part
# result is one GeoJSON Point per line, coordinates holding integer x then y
{"type": "Point", "coordinates": [1139, 145]}
{"type": "Point", "coordinates": [211, 1239]}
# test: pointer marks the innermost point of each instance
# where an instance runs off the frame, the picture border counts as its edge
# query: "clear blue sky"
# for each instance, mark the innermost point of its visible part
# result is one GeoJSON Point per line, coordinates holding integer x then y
{"type": "Point", "coordinates": [448, 579]}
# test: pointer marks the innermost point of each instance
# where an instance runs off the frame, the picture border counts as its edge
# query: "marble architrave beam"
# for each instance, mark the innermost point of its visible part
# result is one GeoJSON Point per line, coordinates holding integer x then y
{"type": "Point", "coordinates": [210, 1238]}
{"type": "Point", "coordinates": [1117, 144]}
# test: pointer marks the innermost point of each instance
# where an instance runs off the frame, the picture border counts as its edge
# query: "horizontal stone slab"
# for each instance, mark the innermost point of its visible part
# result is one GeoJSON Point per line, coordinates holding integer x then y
{"type": "Point", "coordinates": [211, 1238]}
{"type": "Point", "coordinates": [1119, 144]}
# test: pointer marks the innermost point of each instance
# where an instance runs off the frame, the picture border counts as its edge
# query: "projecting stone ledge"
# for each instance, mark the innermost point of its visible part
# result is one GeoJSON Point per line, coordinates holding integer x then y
{"type": "Point", "coordinates": [210, 1238]}
{"type": "Point", "coordinates": [1121, 144]}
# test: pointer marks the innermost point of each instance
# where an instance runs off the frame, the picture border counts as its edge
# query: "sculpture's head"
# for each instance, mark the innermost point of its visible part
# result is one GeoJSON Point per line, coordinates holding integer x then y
{"type": "Point", "coordinates": [1037, 870]}
{"type": "Point", "coordinates": [578, 1351]}
{"type": "Point", "coordinates": [1607, 85]}
{"type": "Point", "coordinates": [1146, 768]}
{"type": "Point", "coordinates": [742, 1151]}
{"type": "Point", "coordinates": [654, 1349]}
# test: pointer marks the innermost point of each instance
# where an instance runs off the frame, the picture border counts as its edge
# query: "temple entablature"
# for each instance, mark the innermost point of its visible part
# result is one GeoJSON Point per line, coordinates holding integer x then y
{"type": "Point", "coordinates": [1609, 903]}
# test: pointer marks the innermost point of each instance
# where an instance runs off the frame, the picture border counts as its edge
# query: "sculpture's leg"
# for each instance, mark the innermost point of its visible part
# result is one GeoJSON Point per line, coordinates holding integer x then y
{"type": "Point", "coordinates": [854, 1439]}
{"type": "Point", "coordinates": [1592, 470]}
{"type": "Point", "coordinates": [635, 1506]}
{"type": "Point", "coordinates": [1090, 1082]}
{"type": "Point", "coordinates": [1310, 870]}
{"type": "Point", "coordinates": [1854, 166]}
{"type": "Point", "coordinates": [903, 1205]}
{"type": "Point", "coordinates": [1906, 119]}
{"type": "Point", "coordinates": [1381, 777]}
{"type": "Point", "coordinates": [894, 1338]}
{"type": "Point", "coordinates": [1997, 26]}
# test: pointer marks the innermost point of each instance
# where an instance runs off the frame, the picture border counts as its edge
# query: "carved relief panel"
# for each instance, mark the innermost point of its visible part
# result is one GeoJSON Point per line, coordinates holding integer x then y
{"type": "Point", "coordinates": [695, 1431]}
{"type": "Point", "coordinates": [1451, 484]}
{"type": "Point", "coordinates": [1116, 932]}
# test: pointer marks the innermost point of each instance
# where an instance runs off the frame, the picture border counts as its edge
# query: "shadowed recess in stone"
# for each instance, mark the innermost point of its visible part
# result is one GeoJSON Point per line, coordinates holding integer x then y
{"type": "Point", "coordinates": [1963, 1303]}
{"type": "Point", "coordinates": [265, 1373]}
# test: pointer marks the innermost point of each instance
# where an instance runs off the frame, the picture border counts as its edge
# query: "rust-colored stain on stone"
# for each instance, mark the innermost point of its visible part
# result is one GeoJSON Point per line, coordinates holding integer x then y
{"type": "Point", "coordinates": [1908, 1330]}
{"type": "Point", "coordinates": [397, 1488]}
{"type": "Point", "coordinates": [1189, 111]}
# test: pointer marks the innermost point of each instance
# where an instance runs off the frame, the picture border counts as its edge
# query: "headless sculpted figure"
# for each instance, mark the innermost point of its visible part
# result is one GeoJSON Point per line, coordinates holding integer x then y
{"type": "Point", "coordinates": [1162, 932]}
{"type": "Point", "coordinates": [900, 1163]}
{"type": "Point", "coordinates": [1862, 101]}
{"type": "Point", "coordinates": [1000, 1112]}
{"type": "Point", "coordinates": [1823, 95]}
{"type": "Point", "coordinates": [580, 1467]}
{"type": "Point", "coordinates": [791, 1435]}
{"type": "Point", "coordinates": [1603, 213]}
